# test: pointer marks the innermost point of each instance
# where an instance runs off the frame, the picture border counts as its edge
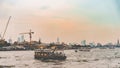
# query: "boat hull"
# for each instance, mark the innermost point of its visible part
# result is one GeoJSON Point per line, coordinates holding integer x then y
{"type": "Point", "coordinates": [48, 54]}
{"type": "Point", "coordinates": [50, 57]}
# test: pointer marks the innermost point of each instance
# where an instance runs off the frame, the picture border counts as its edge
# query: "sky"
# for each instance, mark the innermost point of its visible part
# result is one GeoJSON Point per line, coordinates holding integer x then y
{"type": "Point", "coordinates": [70, 20]}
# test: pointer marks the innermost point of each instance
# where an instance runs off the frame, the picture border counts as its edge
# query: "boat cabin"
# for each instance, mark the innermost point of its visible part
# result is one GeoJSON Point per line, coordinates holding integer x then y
{"type": "Point", "coordinates": [45, 54]}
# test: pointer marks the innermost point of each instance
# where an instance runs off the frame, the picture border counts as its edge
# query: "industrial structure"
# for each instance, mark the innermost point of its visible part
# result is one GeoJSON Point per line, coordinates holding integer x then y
{"type": "Point", "coordinates": [2, 40]}
{"type": "Point", "coordinates": [30, 35]}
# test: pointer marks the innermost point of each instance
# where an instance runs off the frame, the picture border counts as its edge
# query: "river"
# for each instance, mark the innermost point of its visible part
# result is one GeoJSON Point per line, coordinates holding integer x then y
{"type": "Point", "coordinates": [96, 58]}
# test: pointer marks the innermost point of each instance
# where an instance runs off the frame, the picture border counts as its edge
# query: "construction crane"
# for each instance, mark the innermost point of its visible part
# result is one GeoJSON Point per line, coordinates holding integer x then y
{"type": "Point", "coordinates": [2, 40]}
{"type": "Point", "coordinates": [6, 28]}
{"type": "Point", "coordinates": [30, 34]}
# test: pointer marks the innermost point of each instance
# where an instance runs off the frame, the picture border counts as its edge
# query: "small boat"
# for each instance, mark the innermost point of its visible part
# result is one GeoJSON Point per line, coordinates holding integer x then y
{"type": "Point", "coordinates": [76, 51]}
{"type": "Point", "coordinates": [49, 54]}
{"type": "Point", "coordinates": [85, 48]}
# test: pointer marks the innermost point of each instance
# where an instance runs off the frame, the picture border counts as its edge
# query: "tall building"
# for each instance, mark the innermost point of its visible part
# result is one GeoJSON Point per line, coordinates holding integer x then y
{"type": "Point", "coordinates": [10, 40]}
{"type": "Point", "coordinates": [83, 42]}
{"type": "Point", "coordinates": [118, 43]}
{"type": "Point", "coordinates": [18, 40]}
{"type": "Point", "coordinates": [39, 41]}
{"type": "Point", "coordinates": [58, 40]}
{"type": "Point", "coordinates": [22, 38]}
{"type": "Point", "coordinates": [0, 36]}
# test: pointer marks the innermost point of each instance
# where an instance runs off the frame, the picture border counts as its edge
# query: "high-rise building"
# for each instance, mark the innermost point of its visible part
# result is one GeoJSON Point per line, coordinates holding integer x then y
{"type": "Point", "coordinates": [58, 40]}
{"type": "Point", "coordinates": [10, 40]}
{"type": "Point", "coordinates": [18, 40]}
{"type": "Point", "coordinates": [83, 42]}
{"type": "Point", "coordinates": [118, 43]}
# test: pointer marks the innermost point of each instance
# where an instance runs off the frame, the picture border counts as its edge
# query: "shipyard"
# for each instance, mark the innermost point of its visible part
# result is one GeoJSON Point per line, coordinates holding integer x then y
{"type": "Point", "coordinates": [59, 34]}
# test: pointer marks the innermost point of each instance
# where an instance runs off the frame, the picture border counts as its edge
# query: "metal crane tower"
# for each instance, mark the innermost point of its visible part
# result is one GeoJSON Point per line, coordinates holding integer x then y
{"type": "Point", "coordinates": [30, 34]}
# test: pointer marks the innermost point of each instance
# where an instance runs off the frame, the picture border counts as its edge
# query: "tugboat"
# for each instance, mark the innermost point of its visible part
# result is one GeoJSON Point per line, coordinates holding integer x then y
{"type": "Point", "coordinates": [49, 54]}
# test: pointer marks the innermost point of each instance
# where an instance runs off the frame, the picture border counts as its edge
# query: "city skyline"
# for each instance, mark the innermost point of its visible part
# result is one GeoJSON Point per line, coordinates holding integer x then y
{"type": "Point", "coordinates": [71, 21]}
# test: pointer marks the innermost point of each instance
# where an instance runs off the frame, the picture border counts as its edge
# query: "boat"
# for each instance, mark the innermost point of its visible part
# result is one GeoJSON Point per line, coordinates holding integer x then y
{"type": "Point", "coordinates": [85, 48]}
{"type": "Point", "coordinates": [49, 54]}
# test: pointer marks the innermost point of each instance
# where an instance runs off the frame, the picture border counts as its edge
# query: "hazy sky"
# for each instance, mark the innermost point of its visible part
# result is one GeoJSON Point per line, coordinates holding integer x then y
{"type": "Point", "coordinates": [70, 20]}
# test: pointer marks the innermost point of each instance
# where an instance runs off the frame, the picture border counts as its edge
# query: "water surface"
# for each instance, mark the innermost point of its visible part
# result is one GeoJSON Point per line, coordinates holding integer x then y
{"type": "Point", "coordinates": [96, 58]}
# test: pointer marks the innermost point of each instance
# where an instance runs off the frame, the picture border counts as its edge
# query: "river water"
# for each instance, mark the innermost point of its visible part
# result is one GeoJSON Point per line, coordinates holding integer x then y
{"type": "Point", "coordinates": [96, 58]}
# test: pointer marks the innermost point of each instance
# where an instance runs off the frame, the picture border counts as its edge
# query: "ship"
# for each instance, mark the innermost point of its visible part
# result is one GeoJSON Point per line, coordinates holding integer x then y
{"type": "Point", "coordinates": [49, 54]}
{"type": "Point", "coordinates": [84, 48]}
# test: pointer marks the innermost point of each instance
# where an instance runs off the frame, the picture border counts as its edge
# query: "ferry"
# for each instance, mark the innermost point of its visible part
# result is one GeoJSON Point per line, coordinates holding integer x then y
{"type": "Point", "coordinates": [49, 54]}
{"type": "Point", "coordinates": [84, 48]}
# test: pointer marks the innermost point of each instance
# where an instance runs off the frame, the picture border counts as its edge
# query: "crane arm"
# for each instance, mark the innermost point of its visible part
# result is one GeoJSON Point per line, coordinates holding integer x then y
{"type": "Point", "coordinates": [27, 33]}
{"type": "Point", "coordinates": [24, 33]}
{"type": "Point", "coordinates": [6, 27]}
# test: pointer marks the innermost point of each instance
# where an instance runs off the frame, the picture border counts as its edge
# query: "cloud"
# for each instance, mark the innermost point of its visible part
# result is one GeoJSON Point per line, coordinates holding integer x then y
{"type": "Point", "coordinates": [44, 7]}
{"type": "Point", "coordinates": [8, 2]}
{"type": "Point", "coordinates": [117, 3]}
{"type": "Point", "coordinates": [99, 11]}
{"type": "Point", "coordinates": [69, 19]}
{"type": "Point", "coordinates": [2, 1]}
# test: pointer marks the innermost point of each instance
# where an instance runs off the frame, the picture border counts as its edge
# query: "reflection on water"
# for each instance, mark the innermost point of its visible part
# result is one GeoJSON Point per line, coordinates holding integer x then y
{"type": "Point", "coordinates": [96, 58]}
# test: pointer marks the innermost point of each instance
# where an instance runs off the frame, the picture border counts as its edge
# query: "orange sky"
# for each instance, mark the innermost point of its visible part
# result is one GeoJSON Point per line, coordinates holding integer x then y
{"type": "Point", "coordinates": [71, 21]}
